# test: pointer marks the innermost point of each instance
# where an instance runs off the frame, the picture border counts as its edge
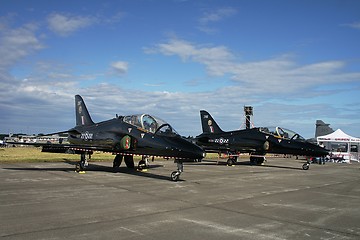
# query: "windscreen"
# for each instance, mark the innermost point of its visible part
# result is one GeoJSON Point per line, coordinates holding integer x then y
{"type": "Point", "coordinates": [145, 121]}
{"type": "Point", "coordinates": [166, 129]}
{"type": "Point", "coordinates": [282, 133]}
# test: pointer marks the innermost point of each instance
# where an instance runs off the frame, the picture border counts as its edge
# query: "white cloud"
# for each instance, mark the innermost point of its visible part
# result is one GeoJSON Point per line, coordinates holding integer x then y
{"type": "Point", "coordinates": [120, 67]}
{"type": "Point", "coordinates": [15, 44]}
{"type": "Point", "coordinates": [355, 25]}
{"type": "Point", "coordinates": [188, 51]}
{"type": "Point", "coordinates": [114, 19]}
{"type": "Point", "coordinates": [43, 92]}
{"type": "Point", "coordinates": [279, 75]}
{"type": "Point", "coordinates": [217, 15]}
{"type": "Point", "coordinates": [180, 109]}
{"type": "Point", "coordinates": [214, 16]}
{"type": "Point", "coordinates": [65, 25]}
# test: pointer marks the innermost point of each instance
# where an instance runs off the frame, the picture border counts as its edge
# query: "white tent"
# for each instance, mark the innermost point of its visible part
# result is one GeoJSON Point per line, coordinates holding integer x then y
{"type": "Point", "coordinates": [341, 145]}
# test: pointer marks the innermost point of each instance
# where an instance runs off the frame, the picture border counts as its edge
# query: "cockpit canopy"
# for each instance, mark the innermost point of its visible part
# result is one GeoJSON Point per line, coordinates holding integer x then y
{"type": "Point", "coordinates": [150, 124]}
{"type": "Point", "coordinates": [282, 133]}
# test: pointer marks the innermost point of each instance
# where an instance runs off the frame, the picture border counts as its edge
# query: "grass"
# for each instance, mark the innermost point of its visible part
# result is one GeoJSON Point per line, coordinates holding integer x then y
{"type": "Point", "coordinates": [34, 154]}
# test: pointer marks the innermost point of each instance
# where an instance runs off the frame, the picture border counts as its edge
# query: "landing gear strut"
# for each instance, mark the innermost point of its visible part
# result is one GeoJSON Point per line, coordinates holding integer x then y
{"type": "Point", "coordinates": [143, 163]}
{"type": "Point", "coordinates": [84, 158]}
{"type": "Point", "coordinates": [180, 168]}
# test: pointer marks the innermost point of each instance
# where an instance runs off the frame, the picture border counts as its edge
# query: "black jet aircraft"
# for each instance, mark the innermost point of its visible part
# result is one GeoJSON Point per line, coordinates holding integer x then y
{"type": "Point", "coordinates": [256, 141]}
{"type": "Point", "coordinates": [125, 136]}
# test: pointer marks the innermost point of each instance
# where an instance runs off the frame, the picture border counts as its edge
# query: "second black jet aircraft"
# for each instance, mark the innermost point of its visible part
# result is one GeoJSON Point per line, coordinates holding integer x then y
{"type": "Point", "coordinates": [256, 141]}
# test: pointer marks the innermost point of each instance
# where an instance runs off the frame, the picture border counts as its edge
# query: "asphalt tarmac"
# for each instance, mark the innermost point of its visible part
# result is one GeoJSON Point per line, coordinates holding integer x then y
{"type": "Point", "coordinates": [275, 201]}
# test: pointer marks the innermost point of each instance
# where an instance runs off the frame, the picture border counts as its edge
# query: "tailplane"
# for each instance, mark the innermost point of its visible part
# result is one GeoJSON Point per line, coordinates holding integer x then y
{"type": "Point", "coordinates": [322, 129]}
{"type": "Point", "coordinates": [82, 114]}
{"type": "Point", "coordinates": [208, 123]}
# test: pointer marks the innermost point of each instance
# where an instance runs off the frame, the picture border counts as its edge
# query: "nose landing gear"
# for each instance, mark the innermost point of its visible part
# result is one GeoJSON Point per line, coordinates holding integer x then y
{"type": "Point", "coordinates": [306, 166]}
{"type": "Point", "coordinates": [143, 164]}
{"type": "Point", "coordinates": [180, 168]}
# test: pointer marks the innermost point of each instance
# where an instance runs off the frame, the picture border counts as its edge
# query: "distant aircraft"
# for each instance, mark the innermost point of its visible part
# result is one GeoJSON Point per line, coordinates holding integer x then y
{"type": "Point", "coordinates": [256, 141]}
{"type": "Point", "coordinates": [125, 136]}
{"type": "Point", "coordinates": [322, 129]}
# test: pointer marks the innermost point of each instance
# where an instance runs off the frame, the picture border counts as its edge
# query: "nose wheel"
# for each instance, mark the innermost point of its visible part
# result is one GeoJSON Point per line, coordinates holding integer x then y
{"type": "Point", "coordinates": [175, 175]}
{"type": "Point", "coordinates": [306, 166]}
{"type": "Point", "coordinates": [143, 163]}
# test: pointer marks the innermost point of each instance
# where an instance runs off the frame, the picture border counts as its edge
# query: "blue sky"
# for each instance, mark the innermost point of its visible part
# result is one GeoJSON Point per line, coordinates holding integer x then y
{"type": "Point", "coordinates": [293, 61]}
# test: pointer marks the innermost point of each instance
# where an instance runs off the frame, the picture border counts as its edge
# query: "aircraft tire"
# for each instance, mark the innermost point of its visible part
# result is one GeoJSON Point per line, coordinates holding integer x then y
{"type": "Point", "coordinates": [260, 161]}
{"type": "Point", "coordinates": [129, 161]}
{"type": "Point", "coordinates": [257, 160]}
{"type": "Point", "coordinates": [230, 162]}
{"type": "Point", "coordinates": [117, 160]}
{"type": "Point", "coordinates": [305, 166]}
{"type": "Point", "coordinates": [80, 166]}
{"type": "Point", "coordinates": [77, 167]}
{"type": "Point", "coordinates": [142, 164]}
{"type": "Point", "coordinates": [175, 176]}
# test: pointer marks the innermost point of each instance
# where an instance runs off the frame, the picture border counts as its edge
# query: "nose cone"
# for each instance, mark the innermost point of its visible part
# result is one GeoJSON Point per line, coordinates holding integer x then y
{"type": "Point", "coordinates": [317, 151]}
{"type": "Point", "coordinates": [189, 150]}
{"type": "Point", "coordinates": [322, 151]}
{"type": "Point", "coordinates": [198, 152]}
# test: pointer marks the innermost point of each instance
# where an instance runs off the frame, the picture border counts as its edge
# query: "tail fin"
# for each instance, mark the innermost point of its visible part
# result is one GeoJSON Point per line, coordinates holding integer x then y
{"type": "Point", "coordinates": [322, 129]}
{"type": "Point", "coordinates": [208, 123]}
{"type": "Point", "coordinates": [82, 114]}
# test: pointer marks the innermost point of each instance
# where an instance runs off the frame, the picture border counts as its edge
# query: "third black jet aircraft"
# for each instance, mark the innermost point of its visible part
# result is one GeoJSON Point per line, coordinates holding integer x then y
{"type": "Point", "coordinates": [256, 141]}
{"type": "Point", "coordinates": [125, 136]}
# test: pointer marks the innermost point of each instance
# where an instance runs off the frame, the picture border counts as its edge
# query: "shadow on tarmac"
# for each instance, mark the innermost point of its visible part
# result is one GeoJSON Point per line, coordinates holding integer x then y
{"type": "Point", "coordinates": [98, 168]}
{"type": "Point", "coordinates": [93, 167]}
{"type": "Point", "coordinates": [246, 163]}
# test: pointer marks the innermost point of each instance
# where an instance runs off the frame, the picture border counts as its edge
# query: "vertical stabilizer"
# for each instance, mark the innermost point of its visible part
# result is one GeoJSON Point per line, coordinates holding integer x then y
{"type": "Point", "coordinates": [322, 129]}
{"type": "Point", "coordinates": [82, 114]}
{"type": "Point", "coordinates": [208, 123]}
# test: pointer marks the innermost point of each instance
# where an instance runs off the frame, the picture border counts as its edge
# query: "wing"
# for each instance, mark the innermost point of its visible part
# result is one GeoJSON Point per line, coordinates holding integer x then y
{"type": "Point", "coordinates": [65, 148]}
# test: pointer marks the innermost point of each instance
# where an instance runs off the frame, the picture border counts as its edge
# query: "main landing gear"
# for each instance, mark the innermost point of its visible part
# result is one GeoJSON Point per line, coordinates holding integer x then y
{"type": "Point", "coordinates": [117, 161]}
{"type": "Point", "coordinates": [144, 164]}
{"type": "Point", "coordinates": [180, 168]}
{"type": "Point", "coordinates": [257, 160]}
{"type": "Point", "coordinates": [128, 159]}
{"type": "Point", "coordinates": [81, 166]}
{"type": "Point", "coordinates": [231, 160]}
